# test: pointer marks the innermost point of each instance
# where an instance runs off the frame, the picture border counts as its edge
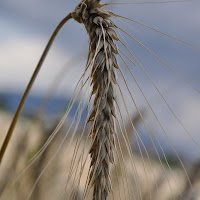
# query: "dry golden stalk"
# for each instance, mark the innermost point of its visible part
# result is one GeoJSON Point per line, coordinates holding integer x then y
{"type": "Point", "coordinates": [29, 86]}
{"type": "Point", "coordinates": [103, 63]}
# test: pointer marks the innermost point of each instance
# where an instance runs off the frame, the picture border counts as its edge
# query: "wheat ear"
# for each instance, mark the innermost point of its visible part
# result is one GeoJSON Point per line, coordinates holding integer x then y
{"type": "Point", "coordinates": [103, 63]}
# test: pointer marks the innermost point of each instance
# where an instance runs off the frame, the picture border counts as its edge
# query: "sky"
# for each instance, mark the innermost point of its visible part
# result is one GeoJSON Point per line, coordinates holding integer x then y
{"type": "Point", "coordinates": [27, 25]}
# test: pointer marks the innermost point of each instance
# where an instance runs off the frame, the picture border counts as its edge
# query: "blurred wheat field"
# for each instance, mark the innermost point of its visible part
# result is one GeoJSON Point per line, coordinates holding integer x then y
{"type": "Point", "coordinates": [52, 159]}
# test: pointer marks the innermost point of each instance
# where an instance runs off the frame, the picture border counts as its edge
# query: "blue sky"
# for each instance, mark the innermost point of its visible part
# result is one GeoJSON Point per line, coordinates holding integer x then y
{"type": "Point", "coordinates": [27, 25]}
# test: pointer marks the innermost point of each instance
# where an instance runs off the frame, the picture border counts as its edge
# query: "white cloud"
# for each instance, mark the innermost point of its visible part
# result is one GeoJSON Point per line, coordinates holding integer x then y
{"type": "Point", "coordinates": [19, 57]}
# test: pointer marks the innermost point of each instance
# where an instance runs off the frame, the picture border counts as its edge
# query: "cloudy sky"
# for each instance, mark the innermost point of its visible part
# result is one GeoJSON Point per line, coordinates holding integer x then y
{"type": "Point", "coordinates": [27, 25]}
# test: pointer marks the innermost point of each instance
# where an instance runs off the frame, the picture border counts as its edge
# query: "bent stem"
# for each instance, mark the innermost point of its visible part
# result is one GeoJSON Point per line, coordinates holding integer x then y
{"type": "Point", "coordinates": [26, 93]}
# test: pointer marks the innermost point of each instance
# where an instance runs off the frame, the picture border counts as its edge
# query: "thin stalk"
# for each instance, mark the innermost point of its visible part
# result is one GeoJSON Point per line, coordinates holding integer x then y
{"type": "Point", "coordinates": [26, 93]}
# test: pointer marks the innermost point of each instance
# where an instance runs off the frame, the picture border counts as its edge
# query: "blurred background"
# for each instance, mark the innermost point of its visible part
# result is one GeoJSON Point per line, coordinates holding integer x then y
{"type": "Point", "coordinates": [27, 25]}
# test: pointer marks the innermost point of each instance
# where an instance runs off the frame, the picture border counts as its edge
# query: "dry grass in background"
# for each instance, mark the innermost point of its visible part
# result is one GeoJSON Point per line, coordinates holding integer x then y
{"type": "Point", "coordinates": [91, 156]}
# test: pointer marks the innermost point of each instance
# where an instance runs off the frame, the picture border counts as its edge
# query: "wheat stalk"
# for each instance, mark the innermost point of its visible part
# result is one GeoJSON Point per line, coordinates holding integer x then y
{"type": "Point", "coordinates": [29, 86]}
{"type": "Point", "coordinates": [103, 63]}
